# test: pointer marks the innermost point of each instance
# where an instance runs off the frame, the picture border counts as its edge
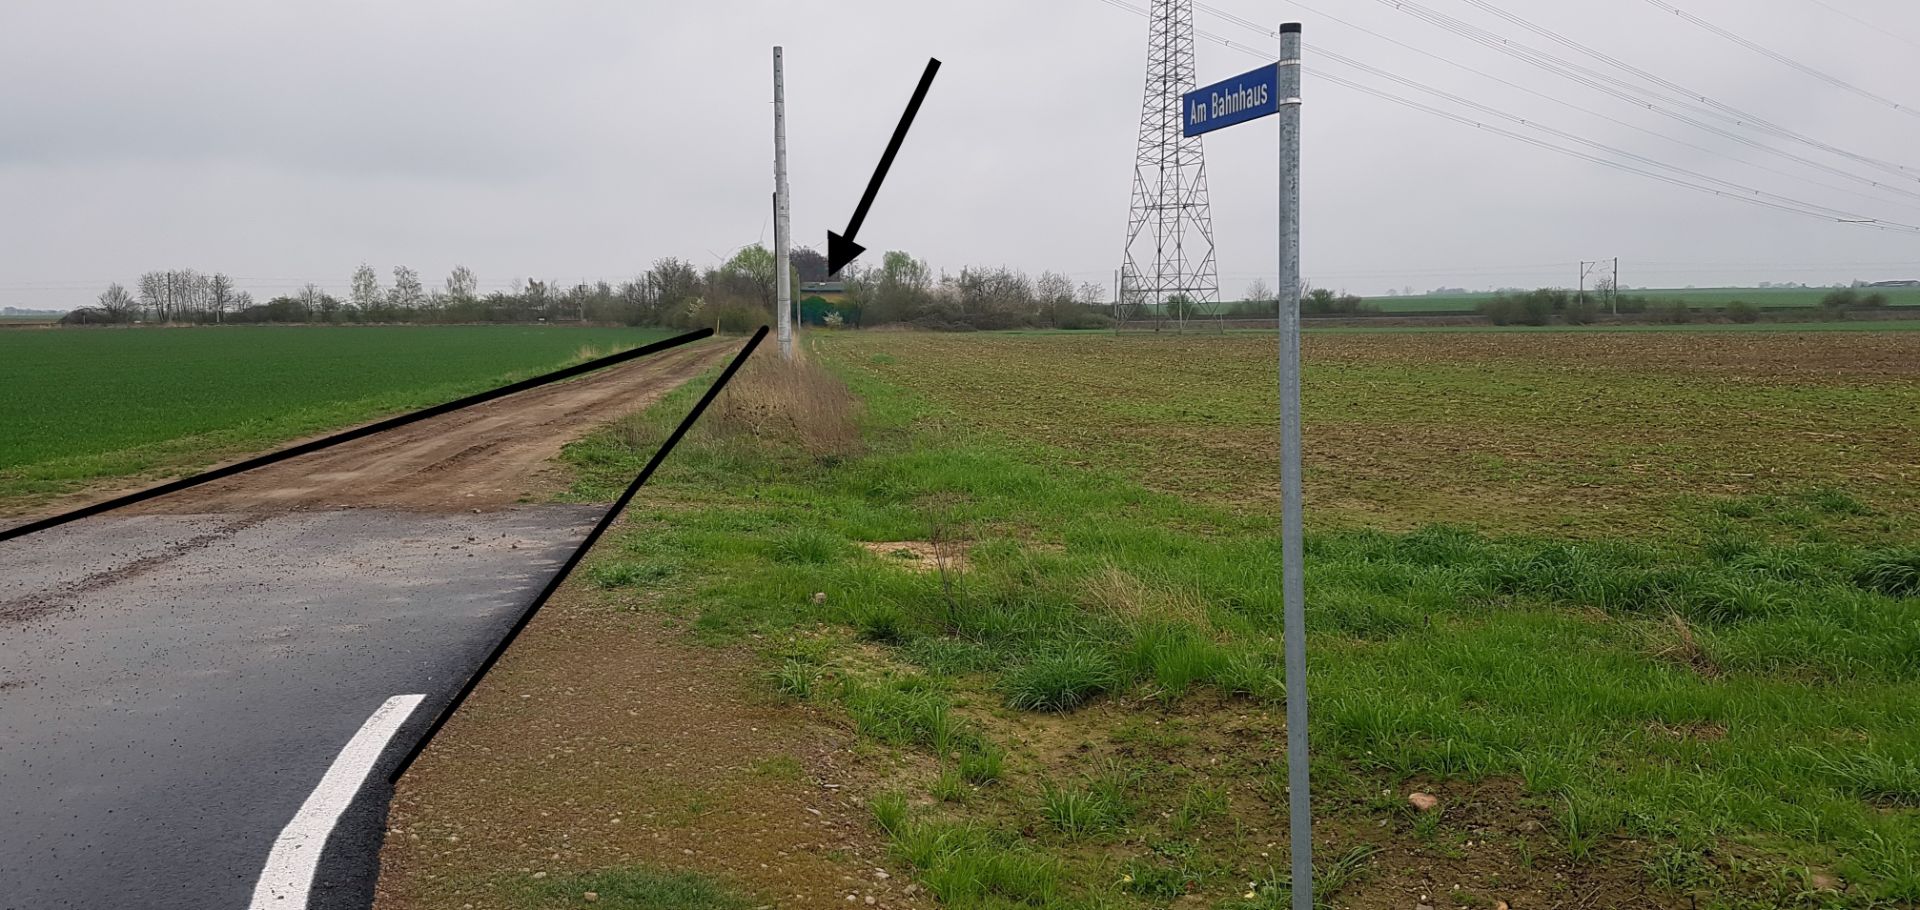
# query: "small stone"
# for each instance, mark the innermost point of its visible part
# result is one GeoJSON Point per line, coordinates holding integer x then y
{"type": "Point", "coordinates": [1501, 905]}
{"type": "Point", "coordinates": [1423, 802]}
{"type": "Point", "coordinates": [819, 597]}
{"type": "Point", "coordinates": [590, 896]}
{"type": "Point", "coordinates": [540, 875]}
{"type": "Point", "coordinates": [871, 900]}
{"type": "Point", "coordinates": [882, 874]}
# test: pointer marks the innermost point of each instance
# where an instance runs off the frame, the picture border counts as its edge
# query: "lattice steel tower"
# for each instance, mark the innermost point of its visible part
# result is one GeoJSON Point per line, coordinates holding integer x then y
{"type": "Point", "coordinates": [1170, 228]}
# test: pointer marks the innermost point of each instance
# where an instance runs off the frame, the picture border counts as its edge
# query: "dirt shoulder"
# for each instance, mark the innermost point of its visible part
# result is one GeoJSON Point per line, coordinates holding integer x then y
{"type": "Point", "coordinates": [486, 457]}
{"type": "Point", "coordinates": [605, 740]}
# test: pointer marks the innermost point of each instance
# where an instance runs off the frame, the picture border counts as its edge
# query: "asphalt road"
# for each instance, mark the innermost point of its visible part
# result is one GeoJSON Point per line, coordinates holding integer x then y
{"type": "Point", "coordinates": [173, 688]}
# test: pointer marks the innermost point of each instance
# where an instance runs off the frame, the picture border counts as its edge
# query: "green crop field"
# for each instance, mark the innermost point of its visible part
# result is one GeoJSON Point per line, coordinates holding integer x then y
{"type": "Point", "coordinates": [1640, 610]}
{"type": "Point", "coordinates": [1765, 298]}
{"type": "Point", "coordinates": [86, 404]}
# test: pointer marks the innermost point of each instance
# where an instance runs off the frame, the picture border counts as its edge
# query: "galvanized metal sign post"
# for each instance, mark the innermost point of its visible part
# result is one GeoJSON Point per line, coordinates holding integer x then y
{"type": "Point", "coordinates": [1250, 96]}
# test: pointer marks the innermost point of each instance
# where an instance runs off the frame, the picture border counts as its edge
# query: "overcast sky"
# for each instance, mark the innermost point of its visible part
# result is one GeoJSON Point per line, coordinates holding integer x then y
{"type": "Point", "coordinates": [288, 142]}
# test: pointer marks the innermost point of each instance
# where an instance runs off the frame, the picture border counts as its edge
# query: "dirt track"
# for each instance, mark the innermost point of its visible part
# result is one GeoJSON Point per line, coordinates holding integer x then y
{"type": "Point", "coordinates": [485, 457]}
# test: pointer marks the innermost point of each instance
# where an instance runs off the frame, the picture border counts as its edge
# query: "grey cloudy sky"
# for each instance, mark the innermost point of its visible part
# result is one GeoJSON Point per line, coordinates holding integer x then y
{"type": "Point", "coordinates": [287, 142]}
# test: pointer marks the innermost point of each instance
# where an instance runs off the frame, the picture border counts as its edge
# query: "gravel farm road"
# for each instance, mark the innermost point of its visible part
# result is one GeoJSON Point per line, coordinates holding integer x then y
{"type": "Point", "coordinates": [202, 696]}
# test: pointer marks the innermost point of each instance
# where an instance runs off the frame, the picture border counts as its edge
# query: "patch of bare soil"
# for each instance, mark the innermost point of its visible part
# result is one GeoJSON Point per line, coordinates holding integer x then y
{"type": "Point", "coordinates": [919, 555]}
{"type": "Point", "coordinates": [604, 740]}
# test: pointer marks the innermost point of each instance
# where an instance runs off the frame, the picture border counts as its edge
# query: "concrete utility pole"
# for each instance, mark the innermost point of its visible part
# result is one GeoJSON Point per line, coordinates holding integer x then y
{"type": "Point", "coordinates": [782, 225]}
{"type": "Point", "coordinates": [1292, 550]}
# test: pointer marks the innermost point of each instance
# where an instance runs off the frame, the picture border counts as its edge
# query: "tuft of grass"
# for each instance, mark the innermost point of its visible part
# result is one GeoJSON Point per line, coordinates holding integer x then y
{"type": "Point", "coordinates": [1871, 775]}
{"type": "Point", "coordinates": [1200, 805]}
{"type": "Point", "coordinates": [1837, 502]}
{"type": "Point", "coordinates": [983, 766]}
{"type": "Point", "coordinates": [795, 679]}
{"type": "Point", "coordinates": [628, 574]}
{"type": "Point", "coordinates": [966, 866]}
{"type": "Point", "coordinates": [951, 786]}
{"type": "Point", "coordinates": [906, 712]}
{"type": "Point", "coordinates": [1586, 821]}
{"type": "Point", "coordinates": [1678, 868]}
{"type": "Point", "coordinates": [1061, 680]}
{"type": "Point", "coordinates": [1895, 573]}
{"type": "Point", "coordinates": [638, 888]}
{"type": "Point", "coordinates": [807, 546]}
{"type": "Point", "coordinates": [881, 621]}
{"type": "Point", "coordinates": [1077, 811]}
{"type": "Point", "coordinates": [950, 656]}
{"type": "Point", "coordinates": [890, 812]}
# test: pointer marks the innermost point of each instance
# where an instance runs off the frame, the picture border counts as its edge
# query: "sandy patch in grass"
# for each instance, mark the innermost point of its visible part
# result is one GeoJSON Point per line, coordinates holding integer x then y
{"type": "Point", "coordinates": [920, 556]}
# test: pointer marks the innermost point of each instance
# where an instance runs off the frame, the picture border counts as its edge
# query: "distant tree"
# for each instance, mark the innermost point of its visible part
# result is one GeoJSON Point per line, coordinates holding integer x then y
{"type": "Point", "coordinates": [750, 273]}
{"type": "Point", "coordinates": [997, 298]}
{"type": "Point", "coordinates": [462, 285]}
{"type": "Point", "coordinates": [536, 300]}
{"type": "Point", "coordinates": [1261, 292]}
{"type": "Point", "coordinates": [364, 293]}
{"type": "Point", "coordinates": [900, 290]}
{"type": "Point", "coordinates": [116, 305]}
{"type": "Point", "coordinates": [1053, 293]}
{"type": "Point", "coordinates": [635, 301]}
{"type": "Point", "coordinates": [314, 301]}
{"type": "Point", "coordinates": [153, 294]}
{"type": "Point", "coordinates": [674, 286]}
{"type": "Point", "coordinates": [811, 265]}
{"type": "Point", "coordinates": [407, 294]}
{"type": "Point", "coordinates": [219, 296]}
{"type": "Point", "coordinates": [196, 292]}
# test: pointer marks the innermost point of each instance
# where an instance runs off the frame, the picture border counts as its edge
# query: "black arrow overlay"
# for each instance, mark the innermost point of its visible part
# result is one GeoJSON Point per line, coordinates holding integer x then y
{"type": "Point", "coordinates": [842, 250]}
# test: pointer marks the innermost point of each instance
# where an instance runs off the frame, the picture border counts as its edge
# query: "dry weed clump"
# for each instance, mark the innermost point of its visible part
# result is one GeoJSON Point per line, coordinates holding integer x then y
{"type": "Point", "coordinates": [1674, 640]}
{"type": "Point", "coordinates": [796, 403]}
{"type": "Point", "coordinates": [1115, 591]}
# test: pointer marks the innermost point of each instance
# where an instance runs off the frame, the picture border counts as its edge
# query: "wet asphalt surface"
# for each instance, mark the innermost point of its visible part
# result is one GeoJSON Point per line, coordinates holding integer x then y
{"type": "Point", "coordinates": [172, 687]}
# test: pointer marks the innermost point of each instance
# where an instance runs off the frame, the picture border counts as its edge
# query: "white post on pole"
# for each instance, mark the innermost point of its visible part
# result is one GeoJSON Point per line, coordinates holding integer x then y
{"type": "Point", "coordinates": [1293, 557]}
{"type": "Point", "coordinates": [782, 225]}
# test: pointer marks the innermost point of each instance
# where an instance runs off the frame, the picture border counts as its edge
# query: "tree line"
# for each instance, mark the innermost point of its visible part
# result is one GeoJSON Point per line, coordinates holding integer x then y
{"type": "Point", "coordinates": [737, 295]}
{"type": "Point", "coordinates": [673, 292]}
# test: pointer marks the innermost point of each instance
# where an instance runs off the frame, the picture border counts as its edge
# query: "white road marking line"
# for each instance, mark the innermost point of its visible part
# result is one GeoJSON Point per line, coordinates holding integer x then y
{"type": "Point", "coordinates": [296, 853]}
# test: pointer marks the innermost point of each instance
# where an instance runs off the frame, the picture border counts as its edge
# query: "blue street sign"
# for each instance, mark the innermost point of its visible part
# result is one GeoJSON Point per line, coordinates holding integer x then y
{"type": "Point", "coordinates": [1248, 96]}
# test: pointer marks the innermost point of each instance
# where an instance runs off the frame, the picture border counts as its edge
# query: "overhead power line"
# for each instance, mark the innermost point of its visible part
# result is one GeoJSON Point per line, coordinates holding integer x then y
{"type": "Point", "coordinates": [1749, 195]}
{"type": "Point", "coordinates": [1757, 48]}
{"type": "Point", "coordinates": [1657, 102]}
{"type": "Point", "coordinates": [1910, 194]}
{"type": "Point", "coordinates": [1741, 117]}
{"type": "Point", "coordinates": [1879, 29]}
